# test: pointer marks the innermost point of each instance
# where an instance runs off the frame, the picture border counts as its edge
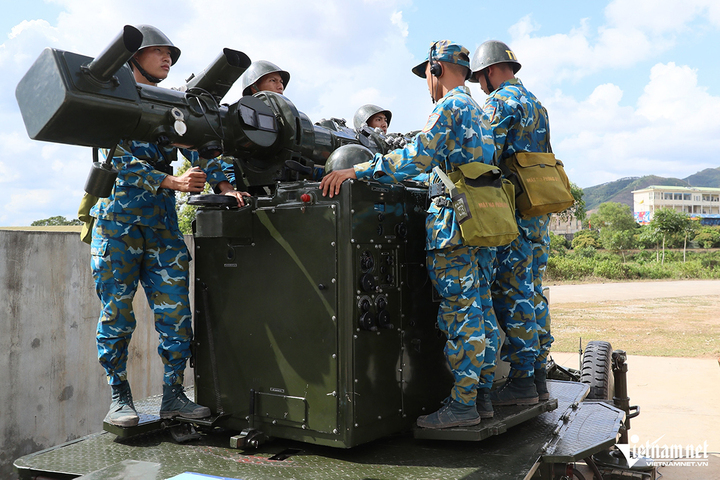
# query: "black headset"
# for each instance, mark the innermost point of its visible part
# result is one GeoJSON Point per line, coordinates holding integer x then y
{"type": "Point", "coordinates": [436, 70]}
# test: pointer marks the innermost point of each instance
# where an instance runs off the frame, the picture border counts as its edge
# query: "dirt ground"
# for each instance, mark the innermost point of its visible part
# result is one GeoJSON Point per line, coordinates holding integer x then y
{"type": "Point", "coordinates": [674, 327]}
{"type": "Point", "coordinates": [660, 318]}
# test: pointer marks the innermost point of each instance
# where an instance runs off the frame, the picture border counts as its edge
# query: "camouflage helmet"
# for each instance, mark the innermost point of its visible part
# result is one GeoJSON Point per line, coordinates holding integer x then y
{"type": "Point", "coordinates": [492, 52]}
{"type": "Point", "coordinates": [257, 70]}
{"type": "Point", "coordinates": [153, 37]}
{"type": "Point", "coordinates": [347, 156]}
{"type": "Point", "coordinates": [363, 114]}
{"type": "Point", "coordinates": [444, 51]}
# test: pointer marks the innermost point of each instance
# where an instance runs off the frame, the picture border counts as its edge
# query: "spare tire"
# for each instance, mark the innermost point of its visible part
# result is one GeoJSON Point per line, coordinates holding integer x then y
{"type": "Point", "coordinates": [597, 370]}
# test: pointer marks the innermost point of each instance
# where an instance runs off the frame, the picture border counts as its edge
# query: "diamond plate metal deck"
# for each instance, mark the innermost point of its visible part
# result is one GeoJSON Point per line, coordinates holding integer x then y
{"type": "Point", "coordinates": [512, 455]}
{"type": "Point", "coordinates": [148, 410]}
{"type": "Point", "coordinates": [504, 418]}
{"type": "Point", "coordinates": [584, 430]}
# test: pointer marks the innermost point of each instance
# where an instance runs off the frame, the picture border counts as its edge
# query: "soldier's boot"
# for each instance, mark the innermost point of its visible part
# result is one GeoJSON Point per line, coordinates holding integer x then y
{"type": "Point", "coordinates": [483, 403]}
{"type": "Point", "coordinates": [122, 411]}
{"type": "Point", "coordinates": [516, 391]}
{"type": "Point", "coordinates": [452, 414]}
{"type": "Point", "coordinates": [541, 384]}
{"type": "Point", "coordinates": [176, 404]}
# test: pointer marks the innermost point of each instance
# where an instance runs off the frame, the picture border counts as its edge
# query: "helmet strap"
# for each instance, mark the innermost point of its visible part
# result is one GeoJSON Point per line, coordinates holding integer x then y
{"type": "Point", "coordinates": [144, 72]}
{"type": "Point", "coordinates": [487, 81]}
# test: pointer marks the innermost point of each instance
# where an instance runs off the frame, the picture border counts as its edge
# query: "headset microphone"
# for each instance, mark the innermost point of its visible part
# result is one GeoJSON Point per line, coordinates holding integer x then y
{"type": "Point", "coordinates": [436, 70]}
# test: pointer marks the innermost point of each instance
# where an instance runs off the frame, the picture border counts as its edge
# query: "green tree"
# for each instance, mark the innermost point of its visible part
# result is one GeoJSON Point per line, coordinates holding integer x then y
{"type": "Point", "coordinates": [616, 225]}
{"type": "Point", "coordinates": [669, 222]}
{"type": "Point", "coordinates": [585, 239]}
{"type": "Point", "coordinates": [186, 212]}
{"type": "Point", "coordinates": [613, 216]}
{"type": "Point", "coordinates": [619, 241]}
{"type": "Point", "coordinates": [708, 236]}
{"type": "Point", "coordinates": [577, 209]}
{"type": "Point", "coordinates": [55, 221]}
{"type": "Point", "coordinates": [558, 244]}
{"type": "Point", "coordinates": [649, 237]}
{"type": "Point", "coordinates": [689, 231]}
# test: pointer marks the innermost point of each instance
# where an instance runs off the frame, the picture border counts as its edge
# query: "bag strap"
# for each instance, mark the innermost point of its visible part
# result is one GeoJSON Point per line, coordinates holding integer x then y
{"type": "Point", "coordinates": [547, 127]}
{"type": "Point", "coordinates": [449, 185]}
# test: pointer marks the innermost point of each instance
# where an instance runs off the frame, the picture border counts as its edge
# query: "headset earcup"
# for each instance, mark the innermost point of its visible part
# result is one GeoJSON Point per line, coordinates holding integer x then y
{"type": "Point", "coordinates": [436, 69]}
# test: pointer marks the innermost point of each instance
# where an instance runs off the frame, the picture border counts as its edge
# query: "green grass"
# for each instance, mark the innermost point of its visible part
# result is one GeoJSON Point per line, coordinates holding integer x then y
{"type": "Point", "coordinates": [599, 265]}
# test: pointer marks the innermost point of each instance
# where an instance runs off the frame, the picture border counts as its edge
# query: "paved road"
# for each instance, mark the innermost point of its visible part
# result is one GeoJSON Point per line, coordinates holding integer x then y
{"type": "Point", "coordinates": [598, 292]}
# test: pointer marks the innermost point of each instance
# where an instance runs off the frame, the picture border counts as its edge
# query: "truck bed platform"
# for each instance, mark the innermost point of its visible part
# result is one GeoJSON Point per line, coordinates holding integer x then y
{"type": "Point", "coordinates": [562, 435]}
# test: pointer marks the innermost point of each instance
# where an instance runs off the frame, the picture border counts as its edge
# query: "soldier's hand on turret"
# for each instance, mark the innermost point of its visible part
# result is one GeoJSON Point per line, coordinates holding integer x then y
{"type": "Point", "coordinates": [332, 181]}
{"type": "Point", "coordinates": [227, 189]}
{"type": "Point", "coordinates": [193, 181]}
{"type": "Point", "coordinates": [395, 141]}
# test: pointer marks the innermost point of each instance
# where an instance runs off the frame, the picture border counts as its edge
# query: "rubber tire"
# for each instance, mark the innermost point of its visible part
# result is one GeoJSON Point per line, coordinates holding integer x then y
{"type": "Point", "coordinates": [597, 370]}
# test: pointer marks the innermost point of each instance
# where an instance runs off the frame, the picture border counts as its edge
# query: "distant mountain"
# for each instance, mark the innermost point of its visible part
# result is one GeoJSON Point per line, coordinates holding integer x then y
{"type": "Point", "coordinates": [621, 190]}
{"type": "Point", "coordinates": [710, 177]}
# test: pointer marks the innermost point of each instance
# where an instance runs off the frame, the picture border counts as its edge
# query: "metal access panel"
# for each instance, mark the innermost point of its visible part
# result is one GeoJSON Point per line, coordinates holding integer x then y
{"type": "Point", "coordinates": [265, 317]}
{"type": "Point", "coordinates": [314, 319]}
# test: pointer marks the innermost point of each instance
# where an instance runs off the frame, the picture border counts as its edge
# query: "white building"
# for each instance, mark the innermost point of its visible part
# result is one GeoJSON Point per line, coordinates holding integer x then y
{"type": "Point", "coordinates": [698, 202]}
{"type": "Point", "coordinates": [565, 228]}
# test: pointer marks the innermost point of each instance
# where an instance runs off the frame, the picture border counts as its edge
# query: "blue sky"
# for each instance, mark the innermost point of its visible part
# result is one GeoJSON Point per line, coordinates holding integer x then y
{"type": "Point", "coordinates": [631, 86]}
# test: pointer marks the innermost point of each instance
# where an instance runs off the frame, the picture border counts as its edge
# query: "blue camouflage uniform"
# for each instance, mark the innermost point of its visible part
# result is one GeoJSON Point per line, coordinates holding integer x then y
{"type": "Point", "coordinates": [453, 135]}
{"type": "Point", "coordinates": [520, 123]}
{"type": "Point", "coordinates": [228, 168]}
{"type": "Point", "coordinates": [137, 239]}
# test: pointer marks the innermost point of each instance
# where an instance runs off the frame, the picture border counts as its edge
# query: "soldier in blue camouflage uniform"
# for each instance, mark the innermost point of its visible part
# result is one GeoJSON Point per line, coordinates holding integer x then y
{"type": "Point", "coordinates": [541, 252]}
{"type": "Point", "coordinates": [519, 123]}
{"type": "Point", "coordinates": [136, 239]}
{"type": "Point", "coordinates": [452, 136]}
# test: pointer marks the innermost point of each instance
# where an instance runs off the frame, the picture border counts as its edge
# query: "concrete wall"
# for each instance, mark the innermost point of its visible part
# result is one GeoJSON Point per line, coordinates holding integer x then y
{"type": "Point", "coordinates": [52, 388]}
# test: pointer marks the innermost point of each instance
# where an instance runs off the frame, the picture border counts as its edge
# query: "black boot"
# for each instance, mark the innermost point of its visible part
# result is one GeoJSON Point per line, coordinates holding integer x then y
{"type": "Point", "coordinates": [122, 411]}
{"type": "Point", "coordinates": [175, 403]}
{"type": "Point", "coordinates": [516, 391]}
{"type": "Point", "coordinates": [483, 403]}
{"type": "Point", "coordinates": [541, 384]}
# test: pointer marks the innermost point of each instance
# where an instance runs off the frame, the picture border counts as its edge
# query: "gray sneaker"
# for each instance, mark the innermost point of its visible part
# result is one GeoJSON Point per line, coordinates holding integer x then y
{"type": "Point", "coordinates": [122, 411]}
{"type": "Point", "coordinates": [453, 414]}
{"type": "Point", "coordinates": [541, 384]}
{"type": "Point", "coordinates": [176, 404]}
{"type": "Point", "coordinates": [483, 403]}
{"type": "Point", "coordinates": [516, 391]}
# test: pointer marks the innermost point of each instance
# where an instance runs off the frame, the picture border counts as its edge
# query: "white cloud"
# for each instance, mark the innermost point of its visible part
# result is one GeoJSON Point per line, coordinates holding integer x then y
{"type": "Point", "coordinates": [634, 31]}
{"type": "Point", "coordinates": [345, 54]}
{"type": "Point", "coordinates": [29, 25]}
{"type": "Point", "coordinates": [333, 50]}
{"type": "Point", "coordinates": [396, 19]}
{"type": "Point", "coordinates": [672, 131]}
{"type": "Point", "coordinates": [657, 17]}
